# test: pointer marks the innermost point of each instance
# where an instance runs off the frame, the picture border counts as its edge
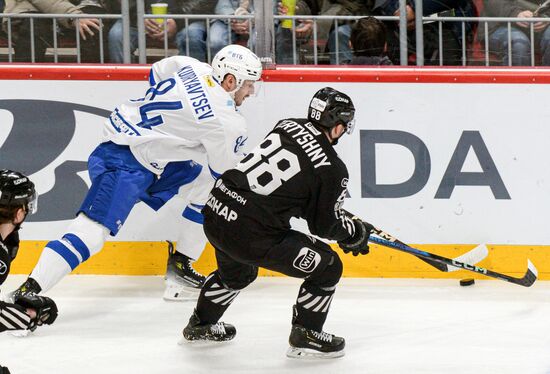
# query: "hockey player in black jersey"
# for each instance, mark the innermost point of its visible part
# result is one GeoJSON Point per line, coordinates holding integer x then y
{"type": "Point", "coordinates": [17, 199]}
{"type": "Point", "coordinates": [294, 172]}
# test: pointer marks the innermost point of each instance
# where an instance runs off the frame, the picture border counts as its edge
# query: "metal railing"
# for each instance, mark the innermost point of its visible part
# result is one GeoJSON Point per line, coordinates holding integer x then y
{"type": "Point", "coordinates": [142, 44]}
{"type": "Point", "coordinates": [264, 27]}
{"type": "Point", "coordinates": [485, 21]}
{"type": "Point", "coordinates": [55, 37]}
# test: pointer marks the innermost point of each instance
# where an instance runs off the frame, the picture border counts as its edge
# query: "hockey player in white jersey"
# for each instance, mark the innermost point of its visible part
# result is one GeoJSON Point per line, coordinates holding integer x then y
{"type": "Point", "coordinates": [180, 136]}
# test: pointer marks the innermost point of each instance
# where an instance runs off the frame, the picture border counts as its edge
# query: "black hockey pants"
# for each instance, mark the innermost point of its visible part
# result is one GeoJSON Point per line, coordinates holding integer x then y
{"type": "Point", "coordinates": [297, 255]}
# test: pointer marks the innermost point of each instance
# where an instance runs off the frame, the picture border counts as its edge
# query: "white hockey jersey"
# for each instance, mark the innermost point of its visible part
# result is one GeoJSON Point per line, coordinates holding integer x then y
{"type": "Point", "coordinates": [184, 115]}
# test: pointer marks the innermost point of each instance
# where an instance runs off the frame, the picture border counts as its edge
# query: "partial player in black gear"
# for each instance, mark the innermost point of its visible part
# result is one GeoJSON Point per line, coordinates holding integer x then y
{"type": "Point", "coordinates": [18, 198]}
{"type": "Point", "coordinates": [294, 172]}
{"type": "Point", "coordinates": [17, 191]}
{"type": "Point", "coordinates": [182, 281]}
{"type": "Point", "coordinates": [45, 308]}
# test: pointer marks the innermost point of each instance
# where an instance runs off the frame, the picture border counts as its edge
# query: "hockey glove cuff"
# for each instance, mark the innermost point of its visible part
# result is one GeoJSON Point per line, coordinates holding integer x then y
{"type": "Point", "coordinates": [358, 244]}
{"type": "Point", "coordinates": [46, 310]}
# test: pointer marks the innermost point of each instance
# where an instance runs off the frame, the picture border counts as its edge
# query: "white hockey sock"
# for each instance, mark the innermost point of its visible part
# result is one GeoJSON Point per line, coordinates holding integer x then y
{"type": "Point", "coordinates": [191, 240]}
{"type": "Point", "coordinates": [50, 269]}
{"type": "Point", "coordinates": [83, 239]}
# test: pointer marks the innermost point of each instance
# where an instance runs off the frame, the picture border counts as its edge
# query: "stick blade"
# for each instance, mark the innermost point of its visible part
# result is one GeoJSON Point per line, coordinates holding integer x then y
{"type": "Point", "coordinates": [532, 268]}
{"type": "Point", "coordinates": [530, 276]}
{"type": "Point", "coordinates": [472, 257]}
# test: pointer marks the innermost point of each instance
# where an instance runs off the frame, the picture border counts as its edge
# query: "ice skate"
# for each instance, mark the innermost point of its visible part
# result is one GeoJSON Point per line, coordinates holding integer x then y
{"type": "Point", "coordinates": [182, 281]}
{"type": "Point", "coordinates": [29, 287]}
{"type": "Point", "coordinates": [219, 332]}
{"type": "Point", "coordinates": [306, 343]}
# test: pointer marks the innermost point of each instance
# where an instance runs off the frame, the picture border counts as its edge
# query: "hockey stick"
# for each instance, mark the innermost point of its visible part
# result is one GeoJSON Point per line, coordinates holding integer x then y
{"type": "Point", "coordinates": [472, 257]}
{"type": "Point", "coordinates": [527, 280]}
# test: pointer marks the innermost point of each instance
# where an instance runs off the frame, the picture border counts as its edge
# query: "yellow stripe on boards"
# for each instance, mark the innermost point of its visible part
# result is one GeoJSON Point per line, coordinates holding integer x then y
{"type": "Point", "coordinates": [149, 258]}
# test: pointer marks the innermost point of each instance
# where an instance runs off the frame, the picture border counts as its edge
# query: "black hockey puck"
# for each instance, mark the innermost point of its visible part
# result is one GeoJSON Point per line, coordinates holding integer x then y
{"type": "Point", "coordinates": [467, 282]}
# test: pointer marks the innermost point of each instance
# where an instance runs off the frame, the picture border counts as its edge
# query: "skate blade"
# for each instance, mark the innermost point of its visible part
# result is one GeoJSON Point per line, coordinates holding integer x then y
{"type": "Point", "coordinates": [201, 342]}
{"type": "Point", "coordinates": [177, 292]}
{"type": "Point", "coordinates": [306, 353]}
{"type": "Point", "coordinates": [20, 333]}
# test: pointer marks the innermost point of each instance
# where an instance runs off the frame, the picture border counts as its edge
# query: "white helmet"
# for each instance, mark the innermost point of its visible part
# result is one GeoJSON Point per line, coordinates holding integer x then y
{"type": "Point", "coordinates": [239, 61]}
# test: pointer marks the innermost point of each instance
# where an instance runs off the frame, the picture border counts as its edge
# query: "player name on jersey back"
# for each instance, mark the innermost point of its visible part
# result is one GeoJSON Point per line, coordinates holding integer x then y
{"type": "Point", "coordinates": [196, 94]}
{"type": "Point", "coordinates": [305, 137]}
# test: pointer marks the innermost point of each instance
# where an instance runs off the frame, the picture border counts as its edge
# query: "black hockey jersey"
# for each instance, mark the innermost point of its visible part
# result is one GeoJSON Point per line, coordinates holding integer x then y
{"type": "Point", "coordinates": [294, 172]}
{"type": "Point", "coordinates": [12, 317]}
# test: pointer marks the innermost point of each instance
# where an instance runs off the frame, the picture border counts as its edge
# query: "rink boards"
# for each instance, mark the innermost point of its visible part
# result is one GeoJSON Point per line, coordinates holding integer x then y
{"type": "Point", "coordinates": [444, 158]}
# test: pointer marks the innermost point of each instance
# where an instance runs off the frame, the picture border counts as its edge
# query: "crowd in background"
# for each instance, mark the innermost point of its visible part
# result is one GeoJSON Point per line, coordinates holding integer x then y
{"type": "Point", "coordinates": [364, 41]}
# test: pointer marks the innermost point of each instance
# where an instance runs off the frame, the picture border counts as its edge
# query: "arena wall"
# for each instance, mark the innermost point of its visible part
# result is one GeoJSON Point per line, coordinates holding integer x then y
{"type": "Point", "coordinates": [441, 158]}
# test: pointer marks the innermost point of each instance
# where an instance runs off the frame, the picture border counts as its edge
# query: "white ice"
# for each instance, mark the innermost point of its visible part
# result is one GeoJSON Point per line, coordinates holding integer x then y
{"type": "Point", "coordinates": [115, 324]}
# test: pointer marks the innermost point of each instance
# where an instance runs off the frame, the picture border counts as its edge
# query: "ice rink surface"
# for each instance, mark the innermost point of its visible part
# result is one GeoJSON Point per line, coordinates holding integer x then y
{"type": "Point", "coordinates": [111, 324]}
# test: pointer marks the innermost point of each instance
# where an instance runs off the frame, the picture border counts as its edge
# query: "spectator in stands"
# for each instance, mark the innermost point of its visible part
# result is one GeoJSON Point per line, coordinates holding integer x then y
{"type": "Point", "coordinates": [337, 39]}
{"type": "Point", "coordinates": [521, 43]}
{"type": "Point", "coordinates": [368, 42]}
{"type": "Point", "coordinates": [284, 48]}
{"type": "Point", "coordinates": [219, 34]}
{"type": "Point", "coordinates": [154, 30]}
{"type": "Point", "coordinates": [342, 53]}
{"type": "Point", "coordinates": [451, 31]}
{"type": "Point", "coordinates": [240, 29]}
{"type": "Point", "coordinates": [88, 28]}
{"type": "Point", "coordinates": [191, 40]}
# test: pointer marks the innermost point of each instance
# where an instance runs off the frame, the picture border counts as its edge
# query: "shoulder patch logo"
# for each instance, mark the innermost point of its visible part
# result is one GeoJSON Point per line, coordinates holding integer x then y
{"type": "Point", "coordinates": [3, 268]}
{"type": "Point", "coordinates": [209, 81]}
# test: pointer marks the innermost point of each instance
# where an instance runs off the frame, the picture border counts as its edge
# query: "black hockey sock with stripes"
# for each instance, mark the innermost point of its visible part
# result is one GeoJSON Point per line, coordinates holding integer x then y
{"type": "Point", "coordinates": [312, 306]}
{"type": "Point", "coordinates": [214, 299]}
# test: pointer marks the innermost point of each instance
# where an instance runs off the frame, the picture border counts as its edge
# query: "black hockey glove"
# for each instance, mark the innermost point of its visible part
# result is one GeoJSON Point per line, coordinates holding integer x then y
{"type": "Point", "coordinates": [4, 370]}
{"type": "Point", "coordinates": [46, 310]}
{"type": "Point", "coordinates": [358, 244]}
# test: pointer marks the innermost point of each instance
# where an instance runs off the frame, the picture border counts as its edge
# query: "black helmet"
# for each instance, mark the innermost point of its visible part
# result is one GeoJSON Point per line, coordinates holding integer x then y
{"type": "Point", "coordinates": [330, 107]}
{"type": "Point", "coordinates": [16, 189]}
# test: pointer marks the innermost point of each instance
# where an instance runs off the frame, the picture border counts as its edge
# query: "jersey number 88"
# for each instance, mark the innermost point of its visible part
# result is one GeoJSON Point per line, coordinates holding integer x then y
{"type": "Point", "coordinates": [269, 165]}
